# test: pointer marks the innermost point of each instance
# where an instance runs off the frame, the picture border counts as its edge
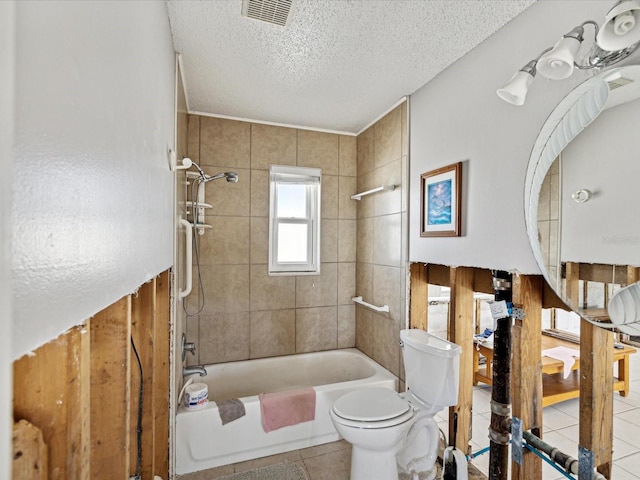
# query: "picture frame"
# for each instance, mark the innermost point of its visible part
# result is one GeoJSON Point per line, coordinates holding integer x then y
{"type": "Point", "coordinates": [440, 202]}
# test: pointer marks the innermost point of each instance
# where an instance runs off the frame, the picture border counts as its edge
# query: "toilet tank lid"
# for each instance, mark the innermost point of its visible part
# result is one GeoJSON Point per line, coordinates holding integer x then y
{"type": "Point", "coordinates": [429, 343]}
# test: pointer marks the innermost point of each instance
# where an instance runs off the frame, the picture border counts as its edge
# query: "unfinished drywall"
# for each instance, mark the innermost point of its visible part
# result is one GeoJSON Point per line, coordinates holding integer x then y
{"type": "Point", "coordinates": [458, 117]}
{"type": "Point", "coordinates": [92, 208]}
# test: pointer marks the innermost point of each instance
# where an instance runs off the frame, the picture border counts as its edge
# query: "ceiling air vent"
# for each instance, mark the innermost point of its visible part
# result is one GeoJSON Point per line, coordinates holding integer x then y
{"type": "Point", "coordinates": [618, 82]}
{"type": "Point", "coordinates": [271, 11]}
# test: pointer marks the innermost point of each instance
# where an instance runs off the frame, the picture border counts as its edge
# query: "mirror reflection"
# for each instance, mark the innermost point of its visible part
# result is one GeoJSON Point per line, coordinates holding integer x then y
{"type": "Point", "coordinates": [585, 223]}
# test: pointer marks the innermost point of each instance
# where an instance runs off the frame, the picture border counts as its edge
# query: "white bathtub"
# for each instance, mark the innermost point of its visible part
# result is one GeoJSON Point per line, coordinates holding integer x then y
{"type": "Point", "coordinates": [203, 442]}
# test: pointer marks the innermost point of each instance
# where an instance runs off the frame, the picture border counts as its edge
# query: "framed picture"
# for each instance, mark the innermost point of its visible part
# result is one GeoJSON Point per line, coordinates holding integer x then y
{"type": "Point", "coordinates": [440, 201]}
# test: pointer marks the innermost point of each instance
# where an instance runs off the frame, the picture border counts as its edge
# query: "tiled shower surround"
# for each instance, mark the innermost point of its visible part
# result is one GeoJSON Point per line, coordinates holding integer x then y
{"type": "Point", "coordinates": [247, 313]}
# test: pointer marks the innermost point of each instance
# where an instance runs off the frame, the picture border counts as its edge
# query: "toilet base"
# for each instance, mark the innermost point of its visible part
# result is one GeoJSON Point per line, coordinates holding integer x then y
{"type": "Point", "coordinates": [373, 464]}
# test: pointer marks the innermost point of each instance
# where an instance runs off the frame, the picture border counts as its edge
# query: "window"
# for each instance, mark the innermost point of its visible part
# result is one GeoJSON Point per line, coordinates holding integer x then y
{"type": "Point", "coordinates": [294, 220]}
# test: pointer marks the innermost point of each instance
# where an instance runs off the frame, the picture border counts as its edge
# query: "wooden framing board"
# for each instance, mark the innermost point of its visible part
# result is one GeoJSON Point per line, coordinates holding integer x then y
{"type": "Point", "coordinates": [550, 298]}
{"type": "Point", "coordinates": [438, 275]}
{"type": "Point", "coordinates": [461, 331]}
{"type": "Point", "coordinates": [483, 281]}
{"type": "Point", "coordinates": [51, 391]}
{"type": "Point", "coordinates": [596, 376]}
{"type": "Point", "coordinates": [526, 368]}
{"type": "Point", "coordinates": [418, 298]}
{"type": "Point", "coordinates": [598, 272]}
{"type": "Point", "coordinates": [143, 304]}
{"type": "Point", "coordinates": [110, 390]}
{"type": "Point", "coordinates": [29, 453]}
{"type": "Point", "coordinates": [161, 346]}
{"type": "Point", "coordinates": [596, 394]}
{"type": "Point", "coordinates": [80, 391]}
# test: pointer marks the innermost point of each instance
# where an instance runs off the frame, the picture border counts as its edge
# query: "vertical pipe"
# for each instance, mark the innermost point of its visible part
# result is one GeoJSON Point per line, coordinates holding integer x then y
{"type": "Point", "coordinates": [500, 394]}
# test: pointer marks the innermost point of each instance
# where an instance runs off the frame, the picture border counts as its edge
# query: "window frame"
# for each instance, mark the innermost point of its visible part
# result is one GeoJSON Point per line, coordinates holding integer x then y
{"type": "Point", "coordinates": [311, 178]}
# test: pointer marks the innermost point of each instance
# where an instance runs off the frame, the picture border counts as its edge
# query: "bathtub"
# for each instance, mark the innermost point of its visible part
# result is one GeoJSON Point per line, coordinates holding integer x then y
{"type": "Point", "coordinates": [203, 442]}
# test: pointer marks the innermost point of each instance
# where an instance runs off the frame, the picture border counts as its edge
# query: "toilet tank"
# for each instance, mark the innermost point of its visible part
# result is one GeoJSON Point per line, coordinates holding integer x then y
{"type": "Point", "coordinates": [432, 367]}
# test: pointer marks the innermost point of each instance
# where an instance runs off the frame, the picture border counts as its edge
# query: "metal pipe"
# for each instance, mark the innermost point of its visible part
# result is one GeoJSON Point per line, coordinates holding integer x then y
{"type": "Point", "coordinates": [567, 462]}
{"type": "Point", "coordinates": [500, 426]}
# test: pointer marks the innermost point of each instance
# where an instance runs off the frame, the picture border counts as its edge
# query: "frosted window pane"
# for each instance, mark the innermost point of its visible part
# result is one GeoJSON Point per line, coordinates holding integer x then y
{"type": "Point", "coordinates": [292, 201]}
{"type": "Point", "coordinates": [292, 243]}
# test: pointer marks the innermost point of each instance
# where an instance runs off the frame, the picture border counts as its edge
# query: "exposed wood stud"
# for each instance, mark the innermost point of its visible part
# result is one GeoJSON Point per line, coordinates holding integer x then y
{"type": "Point", "coordinates": [110, 390]}
{"type": "Point", "coordinates": [161, 347]}
{"type": "Point", "coordinates": [596, 394]}
{"type": "Point", "coordinates": [526, 368]}
{"type": "Point", "coordinates": [461, 308]}
{"type": "Point", "coordinates": [419, 302]}
{"type": "Point", "coordinates": [142, 332]}
{"type": "Point", "coordinates": [50, 390]}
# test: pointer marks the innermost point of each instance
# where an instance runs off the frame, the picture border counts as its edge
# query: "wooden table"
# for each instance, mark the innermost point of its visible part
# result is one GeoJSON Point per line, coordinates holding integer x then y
{"type": "Point", "coordinates": [555, 388]}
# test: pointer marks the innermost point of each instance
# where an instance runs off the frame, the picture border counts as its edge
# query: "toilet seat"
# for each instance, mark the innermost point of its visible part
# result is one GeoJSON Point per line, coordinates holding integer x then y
{"type": "Point", "coordinates": [372, 408]}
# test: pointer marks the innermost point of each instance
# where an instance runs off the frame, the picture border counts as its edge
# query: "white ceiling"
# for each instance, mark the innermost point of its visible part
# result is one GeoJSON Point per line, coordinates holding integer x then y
{"type": "Point", "coordinates": [338, 65]}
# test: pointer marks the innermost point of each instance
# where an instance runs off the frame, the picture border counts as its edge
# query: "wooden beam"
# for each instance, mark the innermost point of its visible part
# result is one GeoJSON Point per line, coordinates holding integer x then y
{"type": "Point", "coordinates": [438, 275]}
{"type": "Point", "coordinates": [483, 281]}
{"type": "Point", "coordinates": [596, 394]}
{"type": "Point", "coordinates": [29, 453]}
{"type": "Point", "coordinates": [418, 297]}
{"type": "Point", "coordinates": [461, 307]}
{"type": "Point", "coordinates": [110, 390]}
{"type": "Point", "coordinates": [550, 298]}
{"type": "Point", "coordinates": [161, 375]}
{"type": "Point", "coordinates": [572, 284]}
{"type": "Point", "coordinates": [142, 332]}
{"type": "Point", "coordinates": [51, 391]}
{"type": "Point", "coordinates": [602, 273]}
{"type": "Point", "coordinates": [526, 368]}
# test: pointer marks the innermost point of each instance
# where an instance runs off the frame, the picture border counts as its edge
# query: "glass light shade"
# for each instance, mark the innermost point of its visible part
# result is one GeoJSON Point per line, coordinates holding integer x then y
{"type": "Point", "coordinates": [515, 91]}
{"type": "Point", "coordinates": [621, 28]}
{"type": "Point", "coordinates": [557, 64]}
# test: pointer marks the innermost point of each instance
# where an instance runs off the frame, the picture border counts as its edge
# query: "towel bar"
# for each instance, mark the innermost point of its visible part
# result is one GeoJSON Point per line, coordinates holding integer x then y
{"type": "Point", "coordinates": [358, 196]}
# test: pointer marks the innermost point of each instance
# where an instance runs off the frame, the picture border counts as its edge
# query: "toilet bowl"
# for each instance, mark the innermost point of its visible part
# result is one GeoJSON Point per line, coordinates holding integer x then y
{"type": "Point", "coordinates": [375, 421]}
{"type": "Point", "coordinates": [392, 432]}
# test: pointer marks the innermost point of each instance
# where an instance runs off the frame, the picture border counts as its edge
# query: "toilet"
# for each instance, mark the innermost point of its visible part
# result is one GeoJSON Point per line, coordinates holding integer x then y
{"type": "Point", "coordinates": [392, 432]}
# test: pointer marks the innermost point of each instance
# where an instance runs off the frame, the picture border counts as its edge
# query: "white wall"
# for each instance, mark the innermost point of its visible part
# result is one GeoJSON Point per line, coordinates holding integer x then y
{"type": "Point", "coordinates": [603, 159]}
{"type": "Point", "coordinates": [92, 193]}
{"type": "Point", "coordinates": [458, 117]}
{"type": "Point", "coordinates": [7, 72]}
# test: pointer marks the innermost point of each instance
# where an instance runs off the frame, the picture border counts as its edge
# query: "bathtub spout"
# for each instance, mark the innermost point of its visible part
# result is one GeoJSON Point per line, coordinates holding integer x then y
{"type": "Point", "coordinates": [200, 370]}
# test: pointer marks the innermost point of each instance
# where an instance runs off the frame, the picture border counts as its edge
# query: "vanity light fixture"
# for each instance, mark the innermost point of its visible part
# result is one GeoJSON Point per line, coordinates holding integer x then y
{"type": "Point", "coordinates": [618, 37]}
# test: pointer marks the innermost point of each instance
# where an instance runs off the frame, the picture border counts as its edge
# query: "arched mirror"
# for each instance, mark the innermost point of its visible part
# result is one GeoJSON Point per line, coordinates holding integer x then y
{"type": "Point", "coordinates": [582, 198]}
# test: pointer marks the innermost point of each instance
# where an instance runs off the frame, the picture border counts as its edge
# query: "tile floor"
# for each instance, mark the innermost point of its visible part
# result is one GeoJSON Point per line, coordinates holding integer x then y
{"type": "Point", "coordinates": [560, 428]}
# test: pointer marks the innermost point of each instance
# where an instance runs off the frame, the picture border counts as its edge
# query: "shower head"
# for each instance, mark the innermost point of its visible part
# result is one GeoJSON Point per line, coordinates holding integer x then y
{"type": "Point", "coordinates": [230, 176]}
{"type": "Point", "coordinates": [204, 178]}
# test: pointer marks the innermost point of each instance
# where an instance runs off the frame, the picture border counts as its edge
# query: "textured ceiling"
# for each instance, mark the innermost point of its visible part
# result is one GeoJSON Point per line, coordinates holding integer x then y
{"type": "Point", "coordinates": [338, 65]}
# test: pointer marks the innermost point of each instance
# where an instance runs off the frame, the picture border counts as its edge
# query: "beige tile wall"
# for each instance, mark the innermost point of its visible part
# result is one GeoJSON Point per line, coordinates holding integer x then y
{"type": "Point", "coordinates": [549, 218]}
{"type": "Point", "coordinates": [246, 313]}
{"type": "Point", "coordinates": [381, 247]}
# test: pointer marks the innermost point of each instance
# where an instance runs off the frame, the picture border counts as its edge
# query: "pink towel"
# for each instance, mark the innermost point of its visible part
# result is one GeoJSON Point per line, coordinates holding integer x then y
{"type": "Point", "coordinates": [289, 407]}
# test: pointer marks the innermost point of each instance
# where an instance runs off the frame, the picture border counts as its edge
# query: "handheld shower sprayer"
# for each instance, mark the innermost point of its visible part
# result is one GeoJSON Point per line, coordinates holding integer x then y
{"type": "Point", "coordinates": [231, 177]}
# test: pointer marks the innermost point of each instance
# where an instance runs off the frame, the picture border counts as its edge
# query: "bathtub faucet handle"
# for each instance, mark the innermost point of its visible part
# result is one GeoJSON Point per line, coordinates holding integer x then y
{"type": "Point", "coordinates": [187, 347]}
